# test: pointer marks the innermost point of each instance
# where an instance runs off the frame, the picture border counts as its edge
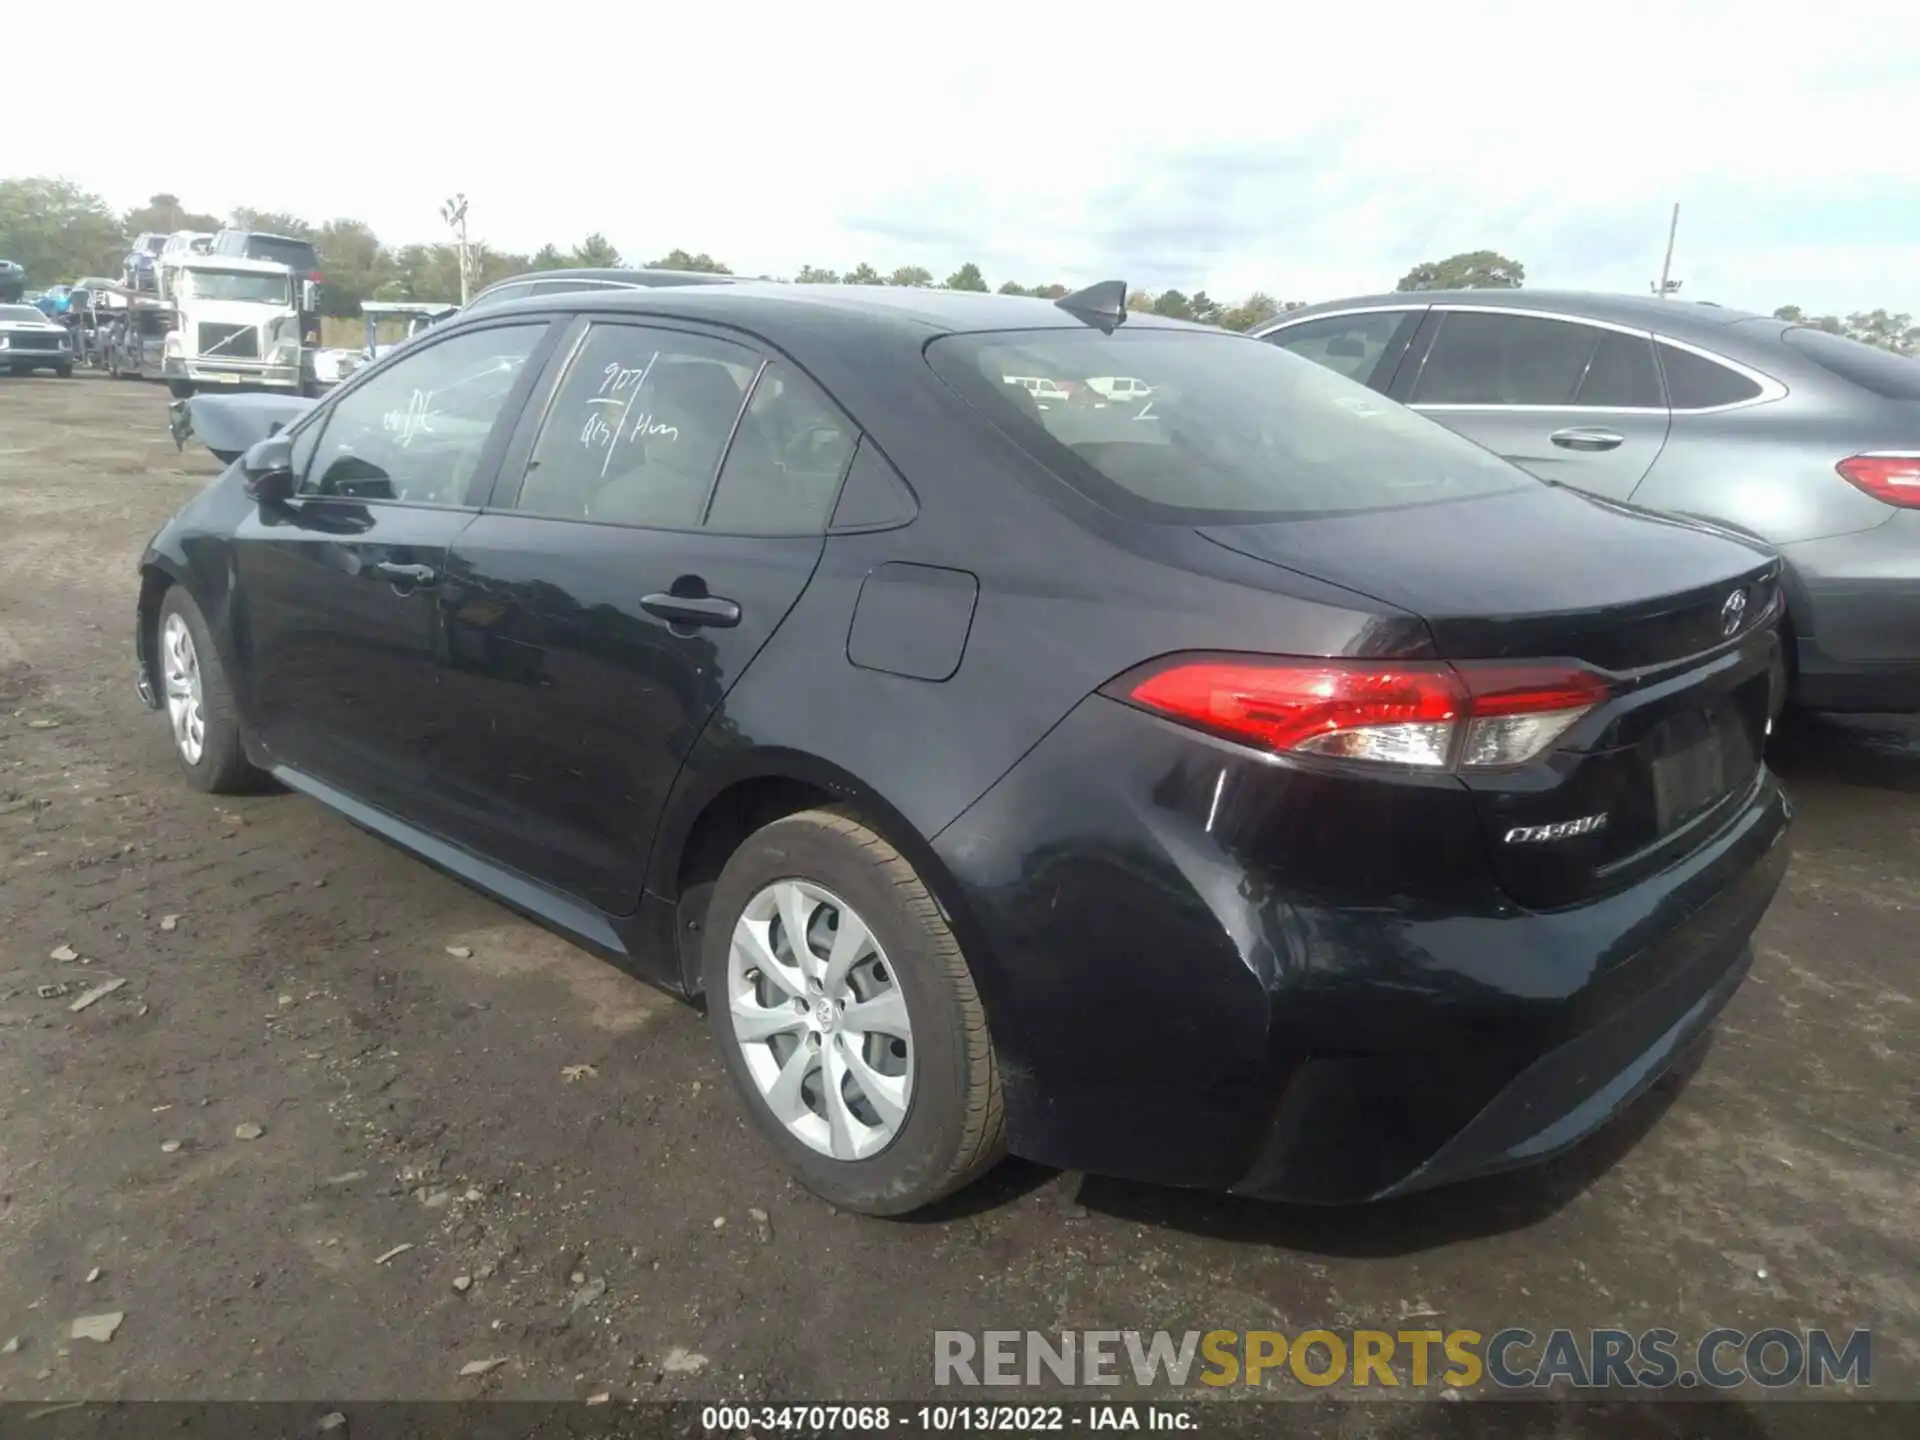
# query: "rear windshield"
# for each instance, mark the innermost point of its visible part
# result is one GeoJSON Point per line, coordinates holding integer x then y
{"type": "Point", "coordinates": [1881, 371]}
{"type": "Point", "coordinates": [1216, 427]}
{"type": "Point", "coordinates": [297, 253]}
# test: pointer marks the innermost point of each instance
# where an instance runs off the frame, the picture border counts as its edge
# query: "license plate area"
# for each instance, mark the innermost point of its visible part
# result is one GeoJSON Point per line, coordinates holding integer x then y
{"type": "Point", "coordinates": [1699, 757]}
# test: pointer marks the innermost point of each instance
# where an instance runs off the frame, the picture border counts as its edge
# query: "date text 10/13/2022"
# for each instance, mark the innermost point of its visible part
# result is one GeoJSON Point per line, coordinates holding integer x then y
{"type": "Point", "coordinates": [939, 1419]}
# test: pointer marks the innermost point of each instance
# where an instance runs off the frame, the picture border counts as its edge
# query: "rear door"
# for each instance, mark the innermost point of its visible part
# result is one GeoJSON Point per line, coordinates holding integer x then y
{"type": "Point", "coordinates": [336, 587]}
{"type": "Point", "coordinates": [654, 522]}
{"type": "Point", "coordinates": [1574, 401]}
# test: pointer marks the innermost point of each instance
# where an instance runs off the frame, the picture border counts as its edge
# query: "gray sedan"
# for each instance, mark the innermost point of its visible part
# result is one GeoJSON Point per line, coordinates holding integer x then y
{"type": "Point", "coordinates": [1797, 437]}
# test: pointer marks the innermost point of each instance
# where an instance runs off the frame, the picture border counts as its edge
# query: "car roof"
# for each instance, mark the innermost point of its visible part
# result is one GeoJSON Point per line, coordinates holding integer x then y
{"type": "Point", "coordinates": [1680, 318]}
{"type": "Point", "coordinates": [774, 307]}
{"type": "Point", "coordinates": [645, 276]}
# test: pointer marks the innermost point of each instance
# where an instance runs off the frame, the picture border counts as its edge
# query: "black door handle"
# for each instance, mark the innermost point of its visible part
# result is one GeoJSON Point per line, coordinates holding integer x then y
{"type": "Point", "coordinates": [692, 609]}
{"type": "Point", "coordinates": [1587, 437]}
{"type": "Point", "coordinates": [412, 576]}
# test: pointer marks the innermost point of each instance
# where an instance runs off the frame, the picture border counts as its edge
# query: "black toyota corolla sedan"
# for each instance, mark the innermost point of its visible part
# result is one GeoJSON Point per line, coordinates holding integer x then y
{"type": "Point", "coordinates": [1029, 726]}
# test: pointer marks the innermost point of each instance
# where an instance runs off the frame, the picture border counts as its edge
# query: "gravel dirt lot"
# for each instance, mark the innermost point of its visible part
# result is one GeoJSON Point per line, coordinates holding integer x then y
{"type": "Point", "coordinates": [434, 1182]}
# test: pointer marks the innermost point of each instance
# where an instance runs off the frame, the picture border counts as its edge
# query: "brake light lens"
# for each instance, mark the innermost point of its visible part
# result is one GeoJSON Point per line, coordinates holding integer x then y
{"type": "Point", "coordinates": [1888, 477]}
{"type": "Point", "coordinates": [1433, 715]}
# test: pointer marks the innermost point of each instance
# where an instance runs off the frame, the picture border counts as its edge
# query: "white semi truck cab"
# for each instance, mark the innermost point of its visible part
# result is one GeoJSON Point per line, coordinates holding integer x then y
{"type": "Point", "coordinates": [243, 324]}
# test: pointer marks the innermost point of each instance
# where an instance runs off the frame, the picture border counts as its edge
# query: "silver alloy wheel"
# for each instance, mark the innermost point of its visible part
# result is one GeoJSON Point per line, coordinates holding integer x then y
{"type": "Point", "coordinates": [821, 1020]}
{"type": "Point", "coordinates": [185, 701]}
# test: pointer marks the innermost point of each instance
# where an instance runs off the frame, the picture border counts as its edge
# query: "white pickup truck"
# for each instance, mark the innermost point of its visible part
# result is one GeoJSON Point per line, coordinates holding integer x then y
{"type": "Point", "coordinates": [242, 324]}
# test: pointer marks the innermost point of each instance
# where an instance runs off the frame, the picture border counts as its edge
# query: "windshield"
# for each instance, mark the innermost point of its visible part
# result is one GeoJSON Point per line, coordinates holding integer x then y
{"type": "Point", "coordinates": [14, 314]}
{"type": "Point", "coordinates": [1210, 428]}
{"type": "Point", "coordinates": [269, 289]}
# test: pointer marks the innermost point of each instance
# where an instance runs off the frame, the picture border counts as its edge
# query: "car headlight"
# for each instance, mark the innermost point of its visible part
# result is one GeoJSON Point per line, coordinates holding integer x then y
{"type": "Point", "coordinates": [5, 342]}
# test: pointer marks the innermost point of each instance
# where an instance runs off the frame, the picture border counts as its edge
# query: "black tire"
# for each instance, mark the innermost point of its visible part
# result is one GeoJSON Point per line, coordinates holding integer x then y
{"type": "Point", "coordinates": [953, 1128]}
{"type": "Point", "coordinates": [223, 767]}
{"type": "Point", "coordinates": [63, 372]}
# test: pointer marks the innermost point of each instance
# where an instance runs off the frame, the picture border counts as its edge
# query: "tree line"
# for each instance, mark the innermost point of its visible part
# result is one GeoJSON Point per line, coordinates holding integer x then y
{"type": "Point", "coordinates": [60, 232]}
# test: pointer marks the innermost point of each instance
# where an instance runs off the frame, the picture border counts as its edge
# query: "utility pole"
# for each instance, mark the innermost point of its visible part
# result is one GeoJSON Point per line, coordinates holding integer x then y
{"type": "Point", "coordinates": [454, 212]}
{"type": "Point", "coordinates": [1666, 287]}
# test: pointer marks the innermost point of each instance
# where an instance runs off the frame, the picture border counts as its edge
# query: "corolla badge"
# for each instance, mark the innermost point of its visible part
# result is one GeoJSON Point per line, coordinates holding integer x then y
{"type": "Point", "coordinates": [1560, 830]}
{"type": "Point", "coordinates": [1732, 611]}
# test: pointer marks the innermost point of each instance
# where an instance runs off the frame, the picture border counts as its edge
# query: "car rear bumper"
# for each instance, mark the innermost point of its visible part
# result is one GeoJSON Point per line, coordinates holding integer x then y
{"type": "Point", "coordinates": [1857, 617]}
{"type": "Point", "coordinates": [1195, 977]}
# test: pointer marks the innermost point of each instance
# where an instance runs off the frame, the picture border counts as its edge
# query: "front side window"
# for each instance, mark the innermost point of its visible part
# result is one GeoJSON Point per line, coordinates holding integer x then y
{"type": "Point", "coordinates": [788, 456]}
{"type": "Point", "coordinates": [500, 295]}
{"type": "Point", "coordinates": [636, 428]}
{"type": "Point", "coordinates": [1234, 430]}
{"type": "Point", "coordinates": [416, 430]}
{"type": "Point", "coordinates": [1349, 345]}
{"type": "Point", "coordinates": [1485, 359]}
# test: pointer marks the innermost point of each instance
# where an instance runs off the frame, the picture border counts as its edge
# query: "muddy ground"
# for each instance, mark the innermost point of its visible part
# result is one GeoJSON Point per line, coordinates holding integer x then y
{"type": "Point", "coordinates": [404, 1046]}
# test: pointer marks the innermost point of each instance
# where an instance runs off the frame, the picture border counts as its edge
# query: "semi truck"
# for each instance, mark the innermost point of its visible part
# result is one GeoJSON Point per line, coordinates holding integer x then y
{"type": "Point", "coordinates": [240, 324]}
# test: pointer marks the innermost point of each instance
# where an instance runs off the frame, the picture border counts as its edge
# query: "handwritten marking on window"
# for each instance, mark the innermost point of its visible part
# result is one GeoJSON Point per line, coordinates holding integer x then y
{"type": "Point", "coordinates": [415, 419]}
{"type": "Point", "coordinates": [610, 411]}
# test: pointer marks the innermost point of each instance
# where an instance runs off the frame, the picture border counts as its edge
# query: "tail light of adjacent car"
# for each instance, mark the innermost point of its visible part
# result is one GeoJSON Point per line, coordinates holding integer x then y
{"type": "Point", "coordinates": [1893, 477]}
{"type": "Point", "coordinates": [1427, 714]}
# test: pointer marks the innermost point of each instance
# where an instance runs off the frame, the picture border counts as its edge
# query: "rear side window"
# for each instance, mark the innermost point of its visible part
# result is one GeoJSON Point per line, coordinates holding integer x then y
{"type": "Point", "coordinates": [1697, 383]}
{"type": "Point", "coordinates": [637, 427]}
{"type": "Point", "coordinates": [1891, 376]}
{"type": "Point", "coordinates": [784, 467]}
{"type": "Point", "coordinates": [1234, 429]}
{"type": "Point", "coordinates": [1484, 359]}
{"type": "Point", "coordinates": [1349, 345]}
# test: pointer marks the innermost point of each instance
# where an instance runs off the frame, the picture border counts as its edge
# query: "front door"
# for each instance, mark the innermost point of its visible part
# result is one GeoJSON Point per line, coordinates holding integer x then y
{"type": "Point", "coordinates": [596, 617]}
{"type": "Point", "coordinates": [1571, 401]}
{"type": "Point", "coordinates": [335, 589]}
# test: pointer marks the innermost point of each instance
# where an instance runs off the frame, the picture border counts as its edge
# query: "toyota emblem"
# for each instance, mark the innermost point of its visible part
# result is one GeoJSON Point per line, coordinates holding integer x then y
{"type": "Point", "coordinates": [1732, 611]}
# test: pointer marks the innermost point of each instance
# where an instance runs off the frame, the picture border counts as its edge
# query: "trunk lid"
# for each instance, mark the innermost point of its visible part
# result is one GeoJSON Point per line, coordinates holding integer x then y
{"type": "Point", "coordinates": [1681, 618]}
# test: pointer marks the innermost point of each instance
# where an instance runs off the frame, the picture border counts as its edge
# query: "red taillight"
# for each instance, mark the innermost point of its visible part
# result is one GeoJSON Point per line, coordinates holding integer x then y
{"type": "Point", "coordinates": [315, 277]}
{"type": "Point", "coordinates": [1894, 478]}
{"type": "Point", "coordinates": [1429, 714]}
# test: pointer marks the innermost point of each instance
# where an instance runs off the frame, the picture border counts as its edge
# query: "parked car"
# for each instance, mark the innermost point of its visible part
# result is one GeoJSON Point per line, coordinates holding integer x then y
{"type": "Point", "coordinates": [13, 282]}
{"type": "Point", "coordinates": [1046, 392]}
{"type": "Point", "coordinates": [138, 272]}
{"type": "Point", "coordinates": [1120, 389]}
{"type": "Point", "coordinates": [561, 282]}
{"type": "Point", "coordinates": [29, 341]}
{"type": "Point", "coordinates": [1276, 793]}
{"type": "Point", "coordinates": [1802, 439]}
{"type": "Point", "coordinates": [297, 254]}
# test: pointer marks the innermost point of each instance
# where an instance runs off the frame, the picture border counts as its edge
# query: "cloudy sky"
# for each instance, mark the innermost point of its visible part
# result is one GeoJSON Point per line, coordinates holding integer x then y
{"type": "Point", "coordinates": [1307, 152]}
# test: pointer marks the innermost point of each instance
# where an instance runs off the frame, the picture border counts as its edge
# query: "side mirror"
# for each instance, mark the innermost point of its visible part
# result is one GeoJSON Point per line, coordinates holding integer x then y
{"type": "Point", "coordinates": [309, 295]}
{"type": "Point", "coordinates": [268, 466]}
